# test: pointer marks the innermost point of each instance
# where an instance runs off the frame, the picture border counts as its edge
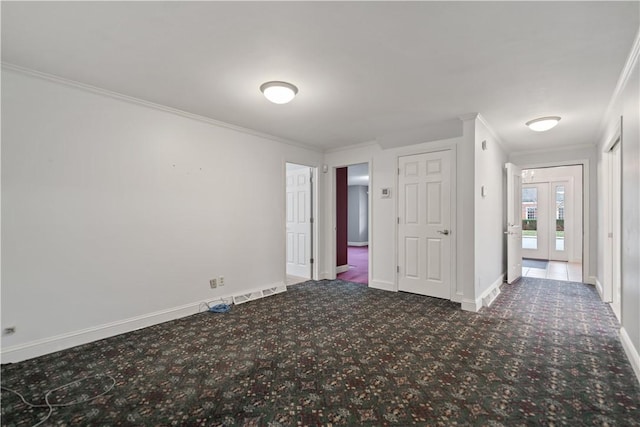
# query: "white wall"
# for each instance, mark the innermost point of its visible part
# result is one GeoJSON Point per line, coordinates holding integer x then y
{"type": "Point", "coordinates": [383, 211]}
{"type": "Point", "coordinates": [585, 156]}
{"type": "Point", "coordinates": [116, 215]}
{"type": "Point", "coordinates": [490, 211]}
{"type": "Point", "coordinates": [358, 212]}
{"type": "Point", "coordinates": [626, 104]}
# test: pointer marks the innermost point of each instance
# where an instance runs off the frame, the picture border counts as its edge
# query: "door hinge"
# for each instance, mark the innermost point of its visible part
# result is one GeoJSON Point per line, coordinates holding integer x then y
{"type": "Point", "coordinates": [397, 269]}
{"type": "Point", "coordinates": [398, 171]}
{"type": "Point", "coordinates": [311, 261]}
{"type": "Point", "coordinates": [398, 220]}
{"type": "Point", "coordinates": [311, 220]}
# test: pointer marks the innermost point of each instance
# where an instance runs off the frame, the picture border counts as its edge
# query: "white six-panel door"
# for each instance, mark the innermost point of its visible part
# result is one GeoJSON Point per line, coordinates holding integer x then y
{"type": "Point", "coordinates": [299, 222]}
{"type": "Point", "coordinates": [424, 224]}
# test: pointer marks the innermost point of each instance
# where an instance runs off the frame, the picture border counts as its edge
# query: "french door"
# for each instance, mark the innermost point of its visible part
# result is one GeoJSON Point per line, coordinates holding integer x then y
{"type": "Point", "coordinates": [546, 220]}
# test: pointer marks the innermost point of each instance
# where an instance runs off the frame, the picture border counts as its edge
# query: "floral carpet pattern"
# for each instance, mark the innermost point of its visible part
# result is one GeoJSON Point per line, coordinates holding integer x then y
{"type": "Point", "coordinates": [336, 353]}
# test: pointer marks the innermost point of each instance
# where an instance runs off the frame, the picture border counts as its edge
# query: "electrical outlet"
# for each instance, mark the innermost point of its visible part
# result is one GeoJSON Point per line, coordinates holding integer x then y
{"type": "Point", "coordinates": [221, 281]}
{"type": "Point", "coordinates": [9, 330]}
{"type": "Point", "coordinates": [213, 283]}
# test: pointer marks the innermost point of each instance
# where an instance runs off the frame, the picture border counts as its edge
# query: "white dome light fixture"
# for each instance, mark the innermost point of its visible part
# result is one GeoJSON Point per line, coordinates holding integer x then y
{"type": "Point", "coordinates": [543, 123]}
{"type": "Point", "coordinates": [279, 92]}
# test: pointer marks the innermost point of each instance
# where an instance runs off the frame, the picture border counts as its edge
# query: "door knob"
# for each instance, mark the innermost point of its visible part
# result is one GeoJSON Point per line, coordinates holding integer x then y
{"type": "Point", "coordinates": [445, 232]}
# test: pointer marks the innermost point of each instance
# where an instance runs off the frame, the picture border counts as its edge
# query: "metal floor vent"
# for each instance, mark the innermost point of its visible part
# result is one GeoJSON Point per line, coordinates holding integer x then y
{"type": "Point", "coordinates": [254, 295]}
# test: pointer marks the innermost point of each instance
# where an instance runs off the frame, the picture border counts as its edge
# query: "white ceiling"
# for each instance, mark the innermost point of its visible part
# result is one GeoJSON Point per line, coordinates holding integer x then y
{"type": "Point", "coordinates": [395, 72]}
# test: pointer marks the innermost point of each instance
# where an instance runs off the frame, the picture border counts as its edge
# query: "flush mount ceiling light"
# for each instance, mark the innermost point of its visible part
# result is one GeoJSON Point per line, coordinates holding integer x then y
{"type": "Point", "coordinates": [543, 123]}
{"type": "Point", "coordinates": [278, 92]}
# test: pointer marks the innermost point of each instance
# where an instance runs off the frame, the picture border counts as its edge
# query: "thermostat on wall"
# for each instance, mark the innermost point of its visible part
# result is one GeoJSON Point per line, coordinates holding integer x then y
{"type": "Point", "coordinates": [386, 193]}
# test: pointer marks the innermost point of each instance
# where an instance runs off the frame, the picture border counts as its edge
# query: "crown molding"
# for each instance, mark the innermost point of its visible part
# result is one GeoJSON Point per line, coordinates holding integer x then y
{"type": "Point", "coordinates": [352, 147]}
{"type": "Point", "coordinates": [493, 133]}
{"type": "Point", "coordinates": [153, 105]}
{"type": "Point", "coordinates": [627, 70]}
{"type": "Point", "coordinates": [554, 149]}
{"type": "Point", "coordinates": [469, 116]}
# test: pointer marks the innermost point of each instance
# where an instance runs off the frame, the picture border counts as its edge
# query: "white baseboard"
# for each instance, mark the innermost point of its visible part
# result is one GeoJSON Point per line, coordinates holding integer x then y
{"type": "Point", "coordinates": [457, 297]}
{"type": "Point", "coordinates": [486, 298]}
{"type": "Point", "coordinates": [600, 289]}
{"type": "Point", "coordinates": [342, 268]}
{"type": "Point", "coordinates": [492, 293]}
{"type": "Point", "coordinates": [29, 350]}
{"type": "Point", "coordinates": [357, 243]}
{"type": "Point", "coordinates": [591, 280]}
{"type": "Point", "coordinates": [48, 345]}
{"type": "Point", "coordinates": [631, 351]}
{"type": "Point", "coordinates": [380, 284]}
{"type": "Point", "coordinates": [471, 305]}
{"type": "Point", "coordinates": [258, 293]}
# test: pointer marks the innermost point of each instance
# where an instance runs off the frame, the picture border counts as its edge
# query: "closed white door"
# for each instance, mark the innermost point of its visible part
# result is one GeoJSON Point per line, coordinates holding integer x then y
{"type": "Point", "coordinates": [514, 223]}
{"type": "Point", "coordinates": [546, 220]}
{"type": "Point", "coordinates": [298, 221]}
{"type": "Point", "coordinates": [424, 224]}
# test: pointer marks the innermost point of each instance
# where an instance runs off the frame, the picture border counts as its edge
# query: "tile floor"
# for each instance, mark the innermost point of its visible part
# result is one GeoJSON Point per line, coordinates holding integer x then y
{"type": "Point", "coordinates": [556, 270]}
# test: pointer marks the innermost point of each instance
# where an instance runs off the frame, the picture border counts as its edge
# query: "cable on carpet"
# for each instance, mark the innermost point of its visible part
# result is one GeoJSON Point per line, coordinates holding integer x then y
{"type": "Point", "coordinates": [60, 405]}
{"type": "Point", "coordinates": [219, 308]}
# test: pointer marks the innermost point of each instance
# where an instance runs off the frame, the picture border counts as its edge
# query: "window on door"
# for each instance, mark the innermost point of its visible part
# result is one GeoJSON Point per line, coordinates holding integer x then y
{"type": "Point", "coordinates": [529, 218]}
{"type": "Point", "coordinates": [560, 242]}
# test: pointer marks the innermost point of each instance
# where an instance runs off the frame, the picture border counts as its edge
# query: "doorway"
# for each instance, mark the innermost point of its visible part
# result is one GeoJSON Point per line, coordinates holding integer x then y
{"type": "Point", "coordinates": [352, 223]}
{"type": "Point", "coordinates": [299, 223]}
{"type": "Point", "coordinates": [551, 211]}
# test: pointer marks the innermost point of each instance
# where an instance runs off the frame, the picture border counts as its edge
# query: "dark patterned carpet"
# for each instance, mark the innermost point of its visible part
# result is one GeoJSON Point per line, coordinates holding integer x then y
{"type": "Point", "coordinates": [337, 353]}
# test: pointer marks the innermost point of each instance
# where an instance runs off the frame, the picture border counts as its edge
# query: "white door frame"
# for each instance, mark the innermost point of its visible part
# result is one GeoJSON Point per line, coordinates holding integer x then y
{"type": "Point", "coordinates": [331, 248]}
{"type": "Point", "coordinates": [586, 211]}
{"type": "Point", "coordinates": [314, 215]}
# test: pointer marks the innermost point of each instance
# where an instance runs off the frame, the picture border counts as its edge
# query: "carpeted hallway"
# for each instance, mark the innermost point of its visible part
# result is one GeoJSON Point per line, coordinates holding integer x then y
{"type": "Point", "coordinates": [338, 353]}
{"type": "Point", "coordinates": [358, 259]}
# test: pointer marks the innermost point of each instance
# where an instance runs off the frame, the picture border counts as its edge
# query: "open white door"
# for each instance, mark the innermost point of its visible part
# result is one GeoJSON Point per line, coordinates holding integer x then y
{"type": "Point", "coordinates": [514, 222]}
{"type": "Point", "coordinates": [299, 221]}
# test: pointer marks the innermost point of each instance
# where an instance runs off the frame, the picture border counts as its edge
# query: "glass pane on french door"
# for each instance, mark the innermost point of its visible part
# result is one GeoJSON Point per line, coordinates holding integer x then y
{"type": "Point", "coordinates": [529, 218]}
{"type": "Point", "coordinates": [560, 209]}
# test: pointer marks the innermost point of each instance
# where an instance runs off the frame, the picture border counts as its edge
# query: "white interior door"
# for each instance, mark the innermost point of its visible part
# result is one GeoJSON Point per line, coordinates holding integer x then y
{"type": "Point", "coordinates": [614, 234]}
{"type": "Point", "coordinates": [514, 222]}
{"type": "Point", "coordinates": [298, 220]}
{"type": "Point", "coordinates": [424, 224]}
